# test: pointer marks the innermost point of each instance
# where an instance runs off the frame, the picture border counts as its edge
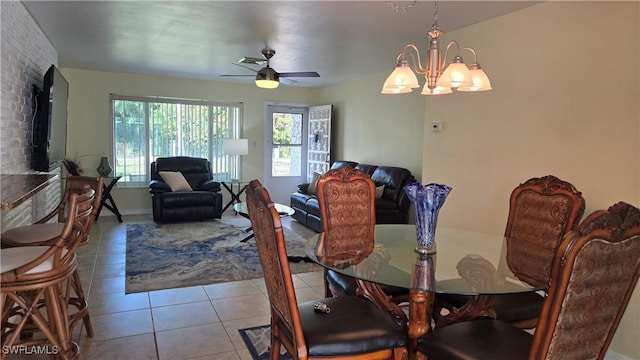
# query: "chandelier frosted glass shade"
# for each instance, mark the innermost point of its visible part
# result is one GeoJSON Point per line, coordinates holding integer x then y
{"type": "Point", "coordinates": [455, 75]}
{"type": "Point", "coordinates": [479, 78]}
{"type": "Point", "coordinates": [267, 78]}
{"type": "Point", "coordinates": [401, 81]}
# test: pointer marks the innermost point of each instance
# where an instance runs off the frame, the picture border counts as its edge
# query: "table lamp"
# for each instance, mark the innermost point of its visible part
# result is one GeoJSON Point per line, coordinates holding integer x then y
{"type": "Point", "coordinates": [235, 148]}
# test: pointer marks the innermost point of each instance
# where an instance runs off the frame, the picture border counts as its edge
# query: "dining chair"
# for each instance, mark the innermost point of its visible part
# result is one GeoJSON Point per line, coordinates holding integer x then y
{"type": "Point", "coordinates": [346, 327]}
{"type": "Point", "coordinates": [541, 211]}
{"type": "Point", "coordinates": [45, 232]}
{"type": "Point", "coordinates": [346, 197]}
{"type": "Point", "coordinates": [36, 283]}
{"type": "Point", "coordinates": [595, 270]}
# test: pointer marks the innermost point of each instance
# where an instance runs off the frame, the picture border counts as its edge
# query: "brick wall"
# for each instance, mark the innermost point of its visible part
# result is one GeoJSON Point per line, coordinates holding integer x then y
{"type": "Point", "coordinates": [26, 54]}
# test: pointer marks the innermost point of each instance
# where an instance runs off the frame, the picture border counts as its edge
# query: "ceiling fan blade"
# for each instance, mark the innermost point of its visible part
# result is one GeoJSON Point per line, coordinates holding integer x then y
{"type": "Point", "coordinates": [300, 74]}
{"type": "Point", "coordinates": [252, 60]}
{"type": "Point", "coordinates": [246, 67]}
{"type": "Point", "coordinates": [287, 81]}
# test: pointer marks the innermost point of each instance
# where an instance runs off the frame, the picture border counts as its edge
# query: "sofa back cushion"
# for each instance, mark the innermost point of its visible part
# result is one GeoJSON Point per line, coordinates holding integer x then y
{"type": "Point", "coordinates": [340, 163]}
{"type": "Point", "coordinates": [393, 179]}
{"type": "Point", "coordinates": [194, 170]}
{"type": "Point", "coordinates": [367, 169]}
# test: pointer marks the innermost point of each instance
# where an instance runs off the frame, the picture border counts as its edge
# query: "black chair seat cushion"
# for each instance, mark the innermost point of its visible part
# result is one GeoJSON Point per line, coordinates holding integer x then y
{"type": "Point", "coordinates": [477, 339]}
{"type": "Point", "coordinates": [353, 326]}
{"type": "Point", "coordinates": [188, 199]}
{"type": "Point", "coordinates": [347, 284]}
{"type": "Point", "coordinates": [508, 307]}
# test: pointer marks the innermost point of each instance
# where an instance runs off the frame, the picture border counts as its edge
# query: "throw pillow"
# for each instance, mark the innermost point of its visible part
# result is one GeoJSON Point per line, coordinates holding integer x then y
{"type": "Point", "coordinates": [379, 191]}
{"type": "Point", "coordinates": [175, 180]}
{"type": "Point", "coordinates": [313, 185]}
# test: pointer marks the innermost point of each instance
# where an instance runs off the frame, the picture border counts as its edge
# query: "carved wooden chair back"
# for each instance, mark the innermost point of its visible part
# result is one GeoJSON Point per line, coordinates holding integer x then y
{"type": "Point", "coordinates": [347, 206]}
{"type": "Point", "coordinates": [269, 235]}
{"type": "Point", "coordinates": [541, 211]}
{"type": "Point", "coordinates": [77, 184]}
{"type": "Point", "coordinates": [594, 273]}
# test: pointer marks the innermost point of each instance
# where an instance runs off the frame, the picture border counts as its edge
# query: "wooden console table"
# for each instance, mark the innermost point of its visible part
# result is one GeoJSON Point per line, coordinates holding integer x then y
{"type": "Point", "coordinates": [17, 188]}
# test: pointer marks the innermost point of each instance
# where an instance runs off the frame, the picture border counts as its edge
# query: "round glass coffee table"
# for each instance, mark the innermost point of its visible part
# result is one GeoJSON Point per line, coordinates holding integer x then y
{"type": "Point", "coordinates": [241, 208]}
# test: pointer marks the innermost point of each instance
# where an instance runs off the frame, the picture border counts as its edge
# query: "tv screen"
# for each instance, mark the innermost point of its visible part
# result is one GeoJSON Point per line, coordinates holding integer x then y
{"type": "Point", "coordinates": [50, 122]}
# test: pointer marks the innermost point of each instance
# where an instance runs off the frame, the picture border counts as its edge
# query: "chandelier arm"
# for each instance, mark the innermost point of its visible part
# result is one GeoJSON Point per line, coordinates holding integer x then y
{"type": "Point", "coordinates": [475, 56]}
{"type": "Point", "coordinates": [417, 65]}
{"type": "Point", "coordinates": [446, 52]}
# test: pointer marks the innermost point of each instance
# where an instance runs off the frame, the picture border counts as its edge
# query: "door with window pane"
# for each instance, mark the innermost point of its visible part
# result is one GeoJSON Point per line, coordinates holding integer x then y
{"type": "Point", "coordinates": [285, 150]}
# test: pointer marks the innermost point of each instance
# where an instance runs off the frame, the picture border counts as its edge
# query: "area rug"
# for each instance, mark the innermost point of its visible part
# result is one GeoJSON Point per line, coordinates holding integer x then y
{"type": "Point", "coordinates": [166, 256]}
{"type": "Point", "coordinates": [258, 340]}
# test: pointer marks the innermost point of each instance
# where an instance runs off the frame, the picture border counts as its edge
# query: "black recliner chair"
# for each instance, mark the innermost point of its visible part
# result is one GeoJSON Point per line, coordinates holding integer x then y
{"type": "Point", "coordinates": [204, 202]}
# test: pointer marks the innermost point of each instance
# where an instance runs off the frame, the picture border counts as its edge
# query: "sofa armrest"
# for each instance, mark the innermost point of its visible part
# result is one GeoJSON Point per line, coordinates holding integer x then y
{"type": "Point", "coordinates": [303, 188]}
{"type": "Point", "coordinates": [209, 185]}
{"type": "Point", "coordinates": [158, 187]}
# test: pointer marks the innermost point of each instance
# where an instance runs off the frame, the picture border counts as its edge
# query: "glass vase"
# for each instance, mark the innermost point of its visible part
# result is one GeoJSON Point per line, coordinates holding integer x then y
{"type": "Point", "coordinates": [427, 201]}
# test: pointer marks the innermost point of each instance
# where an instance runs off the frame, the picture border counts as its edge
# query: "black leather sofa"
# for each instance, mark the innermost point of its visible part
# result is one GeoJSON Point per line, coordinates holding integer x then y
{"type": "Point", "coordinates": [391, 208]}
{"type": "Point", "coordinates": [204, 202]}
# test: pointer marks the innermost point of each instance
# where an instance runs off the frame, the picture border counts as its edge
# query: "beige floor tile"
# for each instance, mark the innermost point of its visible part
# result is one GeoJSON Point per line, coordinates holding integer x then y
{"type": "Point", "coordinates": [307, 294]}
{"type": "Point", "coordinates": [122, 324]}
{"type": "Point", "coordinates": [139, 347]}
{"type": "Point", "coordinates": [231, 289]}
{"type": "Point", "coordinates": [183, 315]}
{"type": "Point", "coordinates": [241, 307]}
{"type": "Point", "coordinates": [230, 355]}
{"type": "Point", "coordinates": [315, 278]}
{"type": "Point", "coordinates": [107, 285]}
{"type": "Point", "coordinates": [244, 355]}
{"type": "Point", "coordinates": [192, 342]}
{"type": "Point", "coordinates": [178, 296]}
{"type": "Point", "coordinates": [117, 302]}
{"type": "Point", "coordinates": [109, 270]}
{"type": "Point", "coordinates": [260, 284]}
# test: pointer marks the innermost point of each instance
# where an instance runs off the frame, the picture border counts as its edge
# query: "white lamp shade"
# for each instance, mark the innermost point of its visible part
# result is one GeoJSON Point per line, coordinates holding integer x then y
{"type": "Point", "coordinates": [236, 146]}
{"type": "Point", "coordinates": [455, 75]}
{"type": "Point", "coordinates": [401, 81]}
{"type": "Point", "coordinates": [439, 90]}
{"type": "Point", "coordinates": [480, 81]}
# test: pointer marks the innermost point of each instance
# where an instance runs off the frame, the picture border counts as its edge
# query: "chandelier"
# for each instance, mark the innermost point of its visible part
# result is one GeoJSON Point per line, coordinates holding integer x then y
{"type": "Point", "coordinates": [457, 76]}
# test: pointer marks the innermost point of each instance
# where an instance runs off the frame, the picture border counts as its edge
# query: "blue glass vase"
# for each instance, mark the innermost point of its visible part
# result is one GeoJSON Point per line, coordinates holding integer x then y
{"type": "Point", "coordinates": [427, 201]}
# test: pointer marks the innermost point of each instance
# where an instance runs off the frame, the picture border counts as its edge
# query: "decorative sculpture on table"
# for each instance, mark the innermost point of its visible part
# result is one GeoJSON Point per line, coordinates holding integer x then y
{"type": "Point", "coordinates": [427, 201]}
{"type": "Point", "coordinates": [104, 169]}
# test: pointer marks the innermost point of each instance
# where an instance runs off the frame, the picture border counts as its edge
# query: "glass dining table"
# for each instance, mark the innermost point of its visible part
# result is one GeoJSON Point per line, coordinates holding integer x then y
{"type": "Point", "coordinates": [465, 263]}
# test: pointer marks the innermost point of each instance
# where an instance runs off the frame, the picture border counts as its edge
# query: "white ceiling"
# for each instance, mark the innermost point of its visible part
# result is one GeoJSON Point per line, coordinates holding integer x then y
{"type": "Point", "coordinates": [201, 39]}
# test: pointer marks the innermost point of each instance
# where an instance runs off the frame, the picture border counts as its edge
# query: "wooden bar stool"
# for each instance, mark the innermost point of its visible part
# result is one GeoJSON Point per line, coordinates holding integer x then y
{"type": "Point", "coordinates": [45, 233]}
{"type": "Point", "coordinates": [36, 282]}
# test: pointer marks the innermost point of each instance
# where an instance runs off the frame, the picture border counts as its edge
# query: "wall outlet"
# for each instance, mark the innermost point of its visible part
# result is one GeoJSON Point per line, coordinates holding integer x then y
{"type": "Point", "coordinates": [436, 126]}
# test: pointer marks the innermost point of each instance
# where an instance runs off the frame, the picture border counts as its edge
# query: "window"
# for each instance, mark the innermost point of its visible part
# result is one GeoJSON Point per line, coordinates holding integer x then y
{"type": "Point", "coordinates": [145, 129]}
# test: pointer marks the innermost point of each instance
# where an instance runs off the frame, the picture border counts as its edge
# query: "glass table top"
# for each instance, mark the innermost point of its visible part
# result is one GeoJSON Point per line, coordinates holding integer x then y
{"type": "Point", "coordinates": [283, 210]}
{"type": "Point", "coordinates": [466, 262]}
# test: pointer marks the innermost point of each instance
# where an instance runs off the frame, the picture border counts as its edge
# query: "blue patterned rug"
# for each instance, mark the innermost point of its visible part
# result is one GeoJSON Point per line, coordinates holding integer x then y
{"type": "Point", "coordinates": [258, 340]}
{"type": "Point", "coordinates": [166, 256]}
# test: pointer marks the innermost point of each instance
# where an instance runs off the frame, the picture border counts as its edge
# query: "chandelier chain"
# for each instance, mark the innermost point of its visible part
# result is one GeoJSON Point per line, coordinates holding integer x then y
{"type": "Point", "coordinates": [397, 7]}
{"type": "Point", "coordinates": [435, 16]}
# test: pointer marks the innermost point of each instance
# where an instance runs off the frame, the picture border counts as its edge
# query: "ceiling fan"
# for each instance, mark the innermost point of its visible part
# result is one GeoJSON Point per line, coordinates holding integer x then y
{"type": "Point", "coordinates": [267, 77]}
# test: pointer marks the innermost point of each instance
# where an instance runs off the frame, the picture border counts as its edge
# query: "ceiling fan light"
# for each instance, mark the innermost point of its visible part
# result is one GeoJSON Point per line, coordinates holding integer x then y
{"type": "Point", "coordinates": [267, 78]}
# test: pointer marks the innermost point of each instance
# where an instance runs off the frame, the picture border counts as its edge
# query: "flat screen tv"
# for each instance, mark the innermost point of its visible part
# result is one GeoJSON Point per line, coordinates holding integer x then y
{"type": "Point", "coordinates": [50, 122]}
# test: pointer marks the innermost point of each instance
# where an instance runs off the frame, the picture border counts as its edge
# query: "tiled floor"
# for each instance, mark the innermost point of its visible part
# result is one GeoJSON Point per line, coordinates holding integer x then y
{"type": "Point", "coordinates": [198, 322]}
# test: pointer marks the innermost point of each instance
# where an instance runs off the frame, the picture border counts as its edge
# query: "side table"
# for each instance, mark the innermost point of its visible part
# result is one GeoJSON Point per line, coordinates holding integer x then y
{"type": "Point", "coordinates": [107, 199]}
{"type": "Point", "coordinates": [235, 196]}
